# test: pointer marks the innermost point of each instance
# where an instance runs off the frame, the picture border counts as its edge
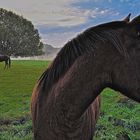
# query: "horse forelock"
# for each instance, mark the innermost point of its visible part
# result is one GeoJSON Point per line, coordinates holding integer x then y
{"type": "Point", "coordinates": [83, 43]}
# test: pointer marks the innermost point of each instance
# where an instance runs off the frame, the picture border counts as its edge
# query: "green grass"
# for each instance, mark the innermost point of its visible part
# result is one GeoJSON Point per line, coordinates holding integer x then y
{"type": "Point", "coordinates": [16, 85]}
{"type": "Point", "coordinates": [117, 120]}
{"type": "Point", "coordinates": [120, 117]}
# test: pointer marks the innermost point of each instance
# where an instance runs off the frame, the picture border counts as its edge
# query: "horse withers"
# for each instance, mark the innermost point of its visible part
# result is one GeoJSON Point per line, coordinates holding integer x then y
{"type": "Point", "coordinates": [65, 101]}
{"type": "Point", "coordinates": [6, 59]}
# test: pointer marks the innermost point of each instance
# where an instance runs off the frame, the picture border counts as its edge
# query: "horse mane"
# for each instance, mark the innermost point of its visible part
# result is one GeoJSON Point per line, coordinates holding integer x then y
{"type": "Point", "coordinates": [74, 48]}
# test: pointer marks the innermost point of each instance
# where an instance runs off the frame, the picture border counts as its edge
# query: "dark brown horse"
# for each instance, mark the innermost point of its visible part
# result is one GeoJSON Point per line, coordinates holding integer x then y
{"type": "Point", "coordinates": [65, 102]}
{"type": "Point", "coordinates": [6, 59]}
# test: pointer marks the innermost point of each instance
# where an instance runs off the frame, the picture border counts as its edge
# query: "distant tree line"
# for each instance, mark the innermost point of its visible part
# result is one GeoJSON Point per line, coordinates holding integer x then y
{"type": "Point", "coordinates": [18, 37]}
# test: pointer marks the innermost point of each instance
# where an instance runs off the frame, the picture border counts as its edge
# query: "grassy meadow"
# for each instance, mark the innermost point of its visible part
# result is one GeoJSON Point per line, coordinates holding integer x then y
{"type": "Point", "coordinates": [119, 119]}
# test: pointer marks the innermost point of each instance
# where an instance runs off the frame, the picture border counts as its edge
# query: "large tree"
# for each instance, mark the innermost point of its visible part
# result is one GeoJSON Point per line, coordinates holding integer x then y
{"type": "Point", "coordinates": [18, 37]}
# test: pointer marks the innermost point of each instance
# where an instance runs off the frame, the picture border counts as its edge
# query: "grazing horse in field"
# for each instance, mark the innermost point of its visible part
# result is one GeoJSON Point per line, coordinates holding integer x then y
{"type": "Point", "coordinates": [6, 59]}
{"type": "Point", "coordinates": [65, 101]}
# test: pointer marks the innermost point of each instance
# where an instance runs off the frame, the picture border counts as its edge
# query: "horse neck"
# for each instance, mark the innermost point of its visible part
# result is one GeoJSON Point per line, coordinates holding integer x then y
{"type": "Point", "coordinates": [83, 82]}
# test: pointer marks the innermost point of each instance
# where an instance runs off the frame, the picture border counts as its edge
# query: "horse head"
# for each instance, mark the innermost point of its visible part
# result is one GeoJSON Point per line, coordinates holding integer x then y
{"type": "Point", "coordinates": [126, 69]}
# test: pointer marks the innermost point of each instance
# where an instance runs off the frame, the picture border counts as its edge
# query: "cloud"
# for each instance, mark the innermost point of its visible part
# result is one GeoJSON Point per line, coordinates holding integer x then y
{"type": "Point", "coordinates": [58, 39]}
{"type": "Point", "coordinates": [102, 0]}
{"type": "Point", "coordinates": [51, 13]}
{"type": "Point", "coordinates": [46, 12]}
{"type": "Point", "coordinates": [96, 12]}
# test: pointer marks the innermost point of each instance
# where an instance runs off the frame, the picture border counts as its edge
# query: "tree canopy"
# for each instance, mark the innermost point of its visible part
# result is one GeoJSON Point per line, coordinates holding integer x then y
{"type": "Point", "coordinates": [18, 37]}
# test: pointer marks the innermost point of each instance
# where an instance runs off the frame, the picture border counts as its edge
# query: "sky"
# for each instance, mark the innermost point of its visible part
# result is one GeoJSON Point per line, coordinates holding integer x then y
{"type": "Point", "coordinates": [58, 21]}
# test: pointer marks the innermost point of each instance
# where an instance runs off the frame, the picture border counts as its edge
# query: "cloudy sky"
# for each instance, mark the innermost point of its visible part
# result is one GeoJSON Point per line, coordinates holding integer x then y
{"type": "Point", "coordinates": [60, 20]}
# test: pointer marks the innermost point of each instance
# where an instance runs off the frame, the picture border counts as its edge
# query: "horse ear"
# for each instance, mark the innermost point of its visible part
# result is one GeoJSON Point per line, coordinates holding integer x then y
{"type": "Point", "coordinates": [127, 19]}
{"type": "Point", "coordinates": [136, 20]}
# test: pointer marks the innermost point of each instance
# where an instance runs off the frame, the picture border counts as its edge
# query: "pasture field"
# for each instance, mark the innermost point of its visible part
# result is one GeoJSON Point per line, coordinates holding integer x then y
{"type": "Point", "coordinates": [119, 119]}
